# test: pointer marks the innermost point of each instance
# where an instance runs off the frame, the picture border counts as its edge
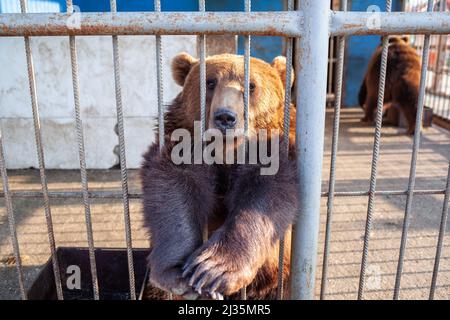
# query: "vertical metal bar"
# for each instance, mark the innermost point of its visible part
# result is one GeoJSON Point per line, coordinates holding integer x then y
{"type": "Point", "coordinates": [330, 66]}
{"type": "Point", "coordinates": [446, 93]}
{"type": "Point", "coordinates": [440, 243]}
{"type": "Point", "coordinates": [202, 50]}
{"type": "Point", "coordinates": [247, 47]}
{"type": "Point", "coordinates": [160, 90]}
{"type": "Point", "coordinates": [11, 220]}
{"type": "Point", "coordinates": [376, 150]}
{"type": "Point", "coordinates": [311, 74]}
{"type": "Point", "coordinates": [415, 152]}
{"type": "Point", "coordinates": [40, 154]}
{"type": "Point", "coordinates": [82, 157]}
{"type": "Point", "coordinates": [122, 159]}
{"type": "Point", "coordinates": [247, 43]}
{"type": "Point", "coordinates": [286, 131]}
{"type": "Point", "coordinates": [434, 68]}
{"type": "Point", "coordinates": [442, 51]}
{"type": "Point", "coordinates": [159, 81]}
{"type": "Point", "coordinates": [440, 63]}
{"type": "Point", "coordinates": [334, 150]}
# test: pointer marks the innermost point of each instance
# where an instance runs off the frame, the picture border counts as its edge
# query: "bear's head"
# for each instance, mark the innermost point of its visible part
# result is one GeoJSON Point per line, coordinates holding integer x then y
{"type": "Point", "coordinates": [225, 91]}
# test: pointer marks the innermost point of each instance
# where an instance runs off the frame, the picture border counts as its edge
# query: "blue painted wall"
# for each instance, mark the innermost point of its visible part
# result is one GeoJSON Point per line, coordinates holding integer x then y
{"type": "Point", "coordinates": [265, 48]}
{"type": "Point", "coordinates": [13, 6]}
{"type": "Point", "coordinates": [359, 51]}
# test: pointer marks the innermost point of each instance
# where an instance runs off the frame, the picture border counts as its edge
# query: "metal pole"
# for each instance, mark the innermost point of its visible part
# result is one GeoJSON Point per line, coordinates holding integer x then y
{"type": "Point", "coordinates": [311, 71]}
{"type": "Point", "coordinates": [287, 24]}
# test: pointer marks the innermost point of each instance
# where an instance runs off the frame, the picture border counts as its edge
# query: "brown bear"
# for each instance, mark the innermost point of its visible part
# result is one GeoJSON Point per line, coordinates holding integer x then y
{"type": "Point", "coordinates": [402, 82]}
{"type": "Point", "coordinates": [245, 212]}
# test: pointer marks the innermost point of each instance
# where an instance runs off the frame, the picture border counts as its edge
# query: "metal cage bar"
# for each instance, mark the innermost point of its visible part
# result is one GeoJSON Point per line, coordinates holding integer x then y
{"type": "Point", "coordinates": [201, 45]}
{"type": "Point", "coordinates": [11, 221]}
{"type": "Point", "coordinates": [283, 23]}
{"type": "Point", "coordinates": [82, 158]}
{"type": "Point", "coordinates": [41, 160]}
{"type": "Point", "coordinates": [122, 158]}
{"type": "Point", "coordinates": [202, 53]}
{"type": "Point", "coordinates": [286, 132]}
{"type": "Point", "coordinates": [334, 150]}
{"type": "Point", "coordinates": [376, 150]}
{"type": "Point", "coordinates": [311, 74]}
{"type": "Point", "coordinates": [415, 152]}
{"type": "Point", "coordinates": [440, 242]}
{"type": "Point", "coordinates": [247, 51]}
{"type": "Point", "coordinates": [160, 91]}
{"type": "Point", "coordinates": [331, 64]}
{"type": "Point", "coordinates": [137, 195]}
{"type": "Point", "coordinates": [159, 82]}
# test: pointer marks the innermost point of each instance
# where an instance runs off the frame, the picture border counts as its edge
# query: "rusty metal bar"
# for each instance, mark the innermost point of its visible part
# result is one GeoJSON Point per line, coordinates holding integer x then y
{"type": "Point", "coordinates": [41, 160]}
{"type": "Point", "coordinates": [151, 23]}
{"type": "Point", "coordinates": [82, 158]}
{"type": "Point", "coordinates": [285, 23]}
{"type": "Point", "coordinates": [415, 152]}
{"type": "Point", "coordinates": [122, 159]}
{"type": "Point", "coordinates": [355, 23]}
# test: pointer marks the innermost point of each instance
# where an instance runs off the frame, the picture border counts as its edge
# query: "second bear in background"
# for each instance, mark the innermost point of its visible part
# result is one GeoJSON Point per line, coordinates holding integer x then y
{"type": "Point", "coordinates": [402, 82]}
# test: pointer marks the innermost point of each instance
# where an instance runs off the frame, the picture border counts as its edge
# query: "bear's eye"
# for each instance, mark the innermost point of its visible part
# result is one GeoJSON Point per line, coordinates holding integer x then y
{"type": "Point", "coordinates": [211, 83]}
{"type": "Point", "coordinates": [252, 87]}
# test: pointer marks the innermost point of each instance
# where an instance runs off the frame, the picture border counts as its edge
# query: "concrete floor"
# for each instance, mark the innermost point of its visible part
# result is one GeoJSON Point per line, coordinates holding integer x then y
{"type": "Point", "coordinates": [353, 173]}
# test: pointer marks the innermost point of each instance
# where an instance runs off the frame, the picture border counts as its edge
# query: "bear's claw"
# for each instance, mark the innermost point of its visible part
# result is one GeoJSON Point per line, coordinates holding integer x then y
{"type": "Point", "coordinates": [210, 272]}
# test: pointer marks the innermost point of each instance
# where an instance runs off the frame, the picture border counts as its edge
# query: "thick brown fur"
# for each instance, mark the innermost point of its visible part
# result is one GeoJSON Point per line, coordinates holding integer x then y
{"type": "Point", "coordinates": [402, 82]}
{"type": "Point", "coordinates": [246, 212]}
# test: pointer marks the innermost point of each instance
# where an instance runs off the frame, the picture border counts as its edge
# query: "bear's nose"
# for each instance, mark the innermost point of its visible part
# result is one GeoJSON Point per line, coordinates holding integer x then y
{"type": "Point", "coordinates": [225, 119]}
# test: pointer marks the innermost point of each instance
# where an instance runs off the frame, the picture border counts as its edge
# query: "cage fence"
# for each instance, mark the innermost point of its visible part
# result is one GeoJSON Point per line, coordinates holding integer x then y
{"type": "Point", "coordinates": [437, 86]}
{"type": "Point", "coordinates": [315, 46]}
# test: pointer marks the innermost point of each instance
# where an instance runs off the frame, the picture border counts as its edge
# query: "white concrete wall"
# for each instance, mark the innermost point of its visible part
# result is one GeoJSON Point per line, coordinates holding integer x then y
{"type": "Point", "coordinates": [54, 87]}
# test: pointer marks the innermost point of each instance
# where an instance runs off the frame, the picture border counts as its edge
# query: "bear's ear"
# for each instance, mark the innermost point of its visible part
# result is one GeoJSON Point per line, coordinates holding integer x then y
{"type": "Point", "coordinates": [405, 39]}
{"type": "Point", "coordinates": [279, 63]}
{"type": "Point", "coordinates": [181, 65]}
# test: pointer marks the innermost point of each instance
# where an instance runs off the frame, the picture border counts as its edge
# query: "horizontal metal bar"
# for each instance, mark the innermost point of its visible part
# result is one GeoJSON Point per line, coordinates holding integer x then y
{"type": "Point", "coordinates": [359, 23]}
{"type": "Point", "coordinates": [383, 193]}
{"type": "Point", "coordinates": [138, 195]}
{"type": "Point", "coordinates": [151, 23]}
{"type": "Point", "coordinates": [284, 23]}
{"type": "Point", "coordinates": [73, 194]}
